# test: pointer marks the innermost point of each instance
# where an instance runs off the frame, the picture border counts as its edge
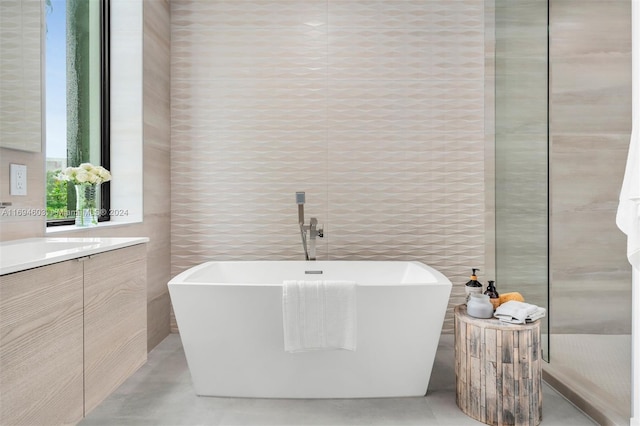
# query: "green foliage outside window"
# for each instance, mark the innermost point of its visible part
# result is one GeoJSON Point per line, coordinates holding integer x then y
{"type": "Point", "coordinates": [56, 196]}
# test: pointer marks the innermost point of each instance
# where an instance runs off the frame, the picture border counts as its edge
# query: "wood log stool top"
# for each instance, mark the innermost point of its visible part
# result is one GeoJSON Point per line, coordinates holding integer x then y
{"type": "Point", "coordinates": [498, 370]}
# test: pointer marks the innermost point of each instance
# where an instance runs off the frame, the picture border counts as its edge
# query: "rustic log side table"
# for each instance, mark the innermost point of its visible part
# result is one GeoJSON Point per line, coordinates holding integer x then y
{"type": "Point", "coordinates": [498, 370]}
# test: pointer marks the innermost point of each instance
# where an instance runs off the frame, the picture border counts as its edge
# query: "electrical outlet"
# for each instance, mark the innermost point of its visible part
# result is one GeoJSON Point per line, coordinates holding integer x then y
{"type": "Point", "coordinates": [18, 179]}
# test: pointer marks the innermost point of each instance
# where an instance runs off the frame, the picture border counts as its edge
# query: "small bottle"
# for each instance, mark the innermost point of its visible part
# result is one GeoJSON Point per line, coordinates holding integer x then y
{"type": "Point", "coordinates": [494, 297]}
{"type": "Point", "coordinates": [473, 286]}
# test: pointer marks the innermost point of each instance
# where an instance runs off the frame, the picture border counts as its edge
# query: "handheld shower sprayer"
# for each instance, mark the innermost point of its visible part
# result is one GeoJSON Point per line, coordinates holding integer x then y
{"type": "Point", "coordinates": [300, 198]}
{"type": "Point", "coordinates": [314, 230]}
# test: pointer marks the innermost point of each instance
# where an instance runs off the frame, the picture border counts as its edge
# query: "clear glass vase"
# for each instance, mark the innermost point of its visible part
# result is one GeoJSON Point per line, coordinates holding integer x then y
{"type": "Point", "coordinates": [86, 206]}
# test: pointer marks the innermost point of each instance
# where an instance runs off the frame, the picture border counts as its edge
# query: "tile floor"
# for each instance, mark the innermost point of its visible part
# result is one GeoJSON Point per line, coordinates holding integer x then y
{"type": "Point", "coordinates": [597, 370]}
{"type": "Point", "coordinates": [160, 393]}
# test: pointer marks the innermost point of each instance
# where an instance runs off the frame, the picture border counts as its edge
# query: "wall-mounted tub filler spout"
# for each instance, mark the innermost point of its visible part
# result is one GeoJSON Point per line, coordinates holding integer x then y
{"type": "Point", "coordinates": [315, 230]}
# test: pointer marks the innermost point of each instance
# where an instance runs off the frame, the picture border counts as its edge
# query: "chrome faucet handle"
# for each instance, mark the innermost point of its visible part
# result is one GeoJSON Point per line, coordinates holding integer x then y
{"type": "Point", "coordinates": [314, 229]}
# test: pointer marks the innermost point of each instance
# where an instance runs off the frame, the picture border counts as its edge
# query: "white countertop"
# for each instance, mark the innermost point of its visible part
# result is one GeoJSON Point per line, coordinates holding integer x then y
{"type": "Point", "coordinates": [19, 255]}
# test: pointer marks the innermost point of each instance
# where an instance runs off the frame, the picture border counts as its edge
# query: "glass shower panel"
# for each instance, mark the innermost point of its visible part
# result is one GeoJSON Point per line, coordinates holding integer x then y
{"type": "Point", "coordinates": [521, 151]}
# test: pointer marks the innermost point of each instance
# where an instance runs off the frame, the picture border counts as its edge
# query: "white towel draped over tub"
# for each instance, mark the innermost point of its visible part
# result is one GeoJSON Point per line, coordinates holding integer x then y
{"type": "Point", "coordinates": [319, 315]}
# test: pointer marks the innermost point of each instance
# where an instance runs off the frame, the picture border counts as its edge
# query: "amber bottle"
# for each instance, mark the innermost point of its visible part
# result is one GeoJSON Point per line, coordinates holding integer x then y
{"type": "Point", "coordinates": [491, 291]}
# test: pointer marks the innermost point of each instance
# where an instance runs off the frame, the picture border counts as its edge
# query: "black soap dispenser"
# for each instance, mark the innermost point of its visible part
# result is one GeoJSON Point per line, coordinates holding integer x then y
{"type": "Point", "coordinates": [473, 285]}
{"type": "Point", "coordinates": [491, 291]}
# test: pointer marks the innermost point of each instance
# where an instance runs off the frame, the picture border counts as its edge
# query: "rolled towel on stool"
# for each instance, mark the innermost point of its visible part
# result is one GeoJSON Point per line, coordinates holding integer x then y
{"type": "Point", "coordinates": [515, 312]}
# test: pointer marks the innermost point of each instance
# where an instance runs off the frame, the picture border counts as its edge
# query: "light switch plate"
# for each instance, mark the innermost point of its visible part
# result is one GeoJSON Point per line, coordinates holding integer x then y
{"type": "Point", "coordinates": [18, 179]}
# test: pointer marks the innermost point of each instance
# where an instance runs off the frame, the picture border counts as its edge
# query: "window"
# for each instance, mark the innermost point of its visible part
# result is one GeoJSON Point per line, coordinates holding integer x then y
{"type": "Point", "coordinates": [77, 98]}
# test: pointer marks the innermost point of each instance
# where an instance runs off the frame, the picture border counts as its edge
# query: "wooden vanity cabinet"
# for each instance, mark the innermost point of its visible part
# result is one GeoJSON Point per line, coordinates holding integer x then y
{"type": "Point", "coordinates": [70, 334]}
{"type": "Point", "coordinates": [115, 320]}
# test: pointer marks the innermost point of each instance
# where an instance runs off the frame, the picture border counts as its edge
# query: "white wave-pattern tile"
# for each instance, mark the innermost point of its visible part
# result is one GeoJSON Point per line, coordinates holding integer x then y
{"type": "Point", "coordinates": [260, 53]}
{"type": "Point", "coordinates": [410, 14]}
{"type": "Point", "coordinates": [374, 108]}
{"type": "Point", "coordinates": [248, 13]}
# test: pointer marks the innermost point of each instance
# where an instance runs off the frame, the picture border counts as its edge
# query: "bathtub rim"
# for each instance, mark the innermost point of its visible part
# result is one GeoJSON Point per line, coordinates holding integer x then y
{"type": "Point", "coordinates": [182, 277]}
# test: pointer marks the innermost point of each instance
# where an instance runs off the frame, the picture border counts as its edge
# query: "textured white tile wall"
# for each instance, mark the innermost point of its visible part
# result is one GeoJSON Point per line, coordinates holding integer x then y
{"type": "Point", "coordinates": [374, 108]}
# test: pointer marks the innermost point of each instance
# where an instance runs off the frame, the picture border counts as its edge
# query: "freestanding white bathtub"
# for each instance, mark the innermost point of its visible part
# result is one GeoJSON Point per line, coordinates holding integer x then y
{"type": "Point", "coordinates": [230, 319]}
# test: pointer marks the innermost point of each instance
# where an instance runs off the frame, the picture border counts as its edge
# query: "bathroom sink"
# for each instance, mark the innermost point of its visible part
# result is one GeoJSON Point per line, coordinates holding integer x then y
{"type": "Point", "coordinates": [33, 252]}
{"type": "Point", "coordinates": [45, 248]}
{"type": "Point", "coordinates": [27, 251]}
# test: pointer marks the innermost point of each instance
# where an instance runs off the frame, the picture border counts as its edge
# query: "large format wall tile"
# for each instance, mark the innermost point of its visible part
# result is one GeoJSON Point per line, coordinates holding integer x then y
{"type": "Point", "coordinates": [374, 108]}
{"type": "Point", "coordinates": [590, 129]}
{"type": "Point", "coordinates": [21, 74]}
{"type": "Point", "coordinates": [21, 116]}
